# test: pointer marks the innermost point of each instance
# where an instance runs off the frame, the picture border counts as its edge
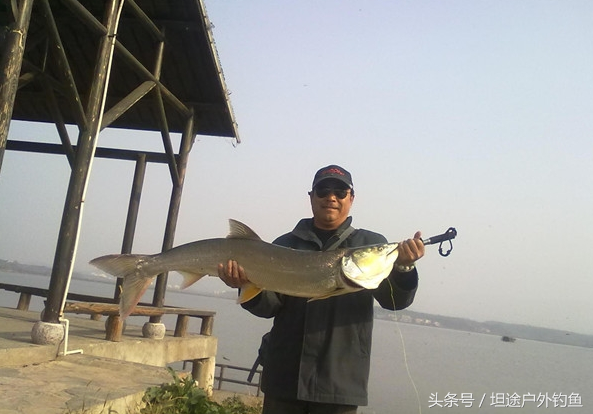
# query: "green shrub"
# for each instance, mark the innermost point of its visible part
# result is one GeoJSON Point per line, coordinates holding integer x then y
{"type": "Point", "coordinates": [183, 397]}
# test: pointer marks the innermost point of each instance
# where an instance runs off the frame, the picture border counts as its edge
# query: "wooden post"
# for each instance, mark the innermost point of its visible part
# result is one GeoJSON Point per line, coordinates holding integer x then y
{"type": "Point", "coordinates": [24, 301]}
{"type": "Point", "coordinates": [114, 328]}
{"type": "Point", "coordinates": [132, 218]}
{"type": "Point", "coordinates": [85, 150]}
{"type": "Point", "coordinates": [174, 204]}
{"type": "Point", "coordinates": [10, 68]}
{"type": "Point", "coordinates": [181, 325]}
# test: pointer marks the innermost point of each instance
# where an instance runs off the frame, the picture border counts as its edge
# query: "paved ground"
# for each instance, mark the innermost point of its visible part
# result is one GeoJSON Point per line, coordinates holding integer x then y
{"type": "Point", "coordinates": [34, 379]}
{"type": "Point", "coordinates": [76, 383]}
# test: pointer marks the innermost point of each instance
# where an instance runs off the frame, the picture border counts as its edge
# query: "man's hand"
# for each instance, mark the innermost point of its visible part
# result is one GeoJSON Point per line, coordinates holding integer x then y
{"type": "Point", "coordinates": [232, 274]}
{"type": "Point", "coordinates": [411, 250]}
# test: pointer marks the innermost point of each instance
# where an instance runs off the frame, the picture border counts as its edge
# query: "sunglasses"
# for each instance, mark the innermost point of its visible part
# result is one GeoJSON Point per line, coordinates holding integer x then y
{"type": "Point", "coordinates": [323, 192]}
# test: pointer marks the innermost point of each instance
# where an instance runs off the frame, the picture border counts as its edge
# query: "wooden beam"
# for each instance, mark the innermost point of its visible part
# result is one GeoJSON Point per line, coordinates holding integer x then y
{"type": "Point", "coordinates": [162, 120]}
{"type": "Point", "coordinates": [126, 103]}
{"type": "Point", "coordinates": [63, 66]}
{"type": "Point", "coordinates": [145, 20]}
{"type": "Point", "coordinates": [100, 152]}
{"type": "Point", "coordinates": [54, 109]}
{"type": "Point", "coordinates": [129, 58]}
{"type": "Point", "coordinates": [113, 309]}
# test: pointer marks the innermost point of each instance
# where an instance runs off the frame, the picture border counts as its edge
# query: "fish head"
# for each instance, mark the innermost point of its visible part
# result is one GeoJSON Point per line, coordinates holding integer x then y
{"type": "Point", "coordinates": [368, 266]}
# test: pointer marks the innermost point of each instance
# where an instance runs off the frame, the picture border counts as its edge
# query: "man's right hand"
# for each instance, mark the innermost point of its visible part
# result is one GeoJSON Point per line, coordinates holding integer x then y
{"type": "Point", "coordinates": [232, 274]}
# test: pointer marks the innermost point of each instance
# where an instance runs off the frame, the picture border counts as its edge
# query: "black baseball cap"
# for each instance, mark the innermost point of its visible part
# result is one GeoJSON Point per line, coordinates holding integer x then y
{"type": "Point", "coordinates": [335, 172]}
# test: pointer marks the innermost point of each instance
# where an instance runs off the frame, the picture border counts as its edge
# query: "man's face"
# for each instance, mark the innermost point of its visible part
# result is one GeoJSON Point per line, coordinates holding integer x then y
{"type": "Point", "coordinates": [329, 210]}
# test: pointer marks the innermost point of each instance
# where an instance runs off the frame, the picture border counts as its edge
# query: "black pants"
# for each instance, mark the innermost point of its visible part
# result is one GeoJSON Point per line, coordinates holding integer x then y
{"type": "Point", "coordinates": [280, 406]}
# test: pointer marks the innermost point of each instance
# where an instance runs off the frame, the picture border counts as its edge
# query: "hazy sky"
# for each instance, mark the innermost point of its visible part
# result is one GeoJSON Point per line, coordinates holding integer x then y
{"type": "Point", "coordinates": [477, 115]}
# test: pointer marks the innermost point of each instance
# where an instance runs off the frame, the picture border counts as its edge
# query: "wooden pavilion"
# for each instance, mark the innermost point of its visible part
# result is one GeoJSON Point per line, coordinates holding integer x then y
{"type": "Point", "coordinates": [134, 64]}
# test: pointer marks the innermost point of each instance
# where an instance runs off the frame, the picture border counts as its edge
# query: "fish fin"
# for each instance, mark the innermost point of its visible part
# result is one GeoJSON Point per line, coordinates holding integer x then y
{"type": "Point", "coordinates": [135, 278]}
{"type": "Point", "coordinates": [239, 230]}
{"type": "Point", "coordinates": [189, 278]}
{"type": "Point", "coordinates": [133, 288]}
{"type": "Point", "coordinates": [248, 292]}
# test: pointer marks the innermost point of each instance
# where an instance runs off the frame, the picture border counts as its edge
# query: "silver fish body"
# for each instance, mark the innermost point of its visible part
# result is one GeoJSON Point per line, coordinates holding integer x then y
{"type": "Point", "coordinates": [302, 273]}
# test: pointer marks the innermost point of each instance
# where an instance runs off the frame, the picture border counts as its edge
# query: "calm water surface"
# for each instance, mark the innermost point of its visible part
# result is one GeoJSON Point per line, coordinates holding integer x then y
{"type": "Point", "coordinates": [452, 371]}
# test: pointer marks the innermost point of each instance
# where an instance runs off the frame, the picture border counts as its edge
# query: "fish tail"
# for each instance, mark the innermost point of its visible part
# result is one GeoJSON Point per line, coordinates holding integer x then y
{"type": "Point", "coordinates": [136, 277]}
{"type": "Point", "coordinates": [120, 265]}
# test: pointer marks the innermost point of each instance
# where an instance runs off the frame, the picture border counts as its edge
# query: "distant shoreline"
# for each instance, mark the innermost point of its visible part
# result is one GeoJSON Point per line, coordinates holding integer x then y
{"type": "Point", "coordinates": [507, 331]}
{"type": "Point", "coordinates": [40, 270]}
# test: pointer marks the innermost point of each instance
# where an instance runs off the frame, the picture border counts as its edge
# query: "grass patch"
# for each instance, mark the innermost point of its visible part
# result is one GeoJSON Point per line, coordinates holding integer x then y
{"type": "Point", "coordinates": [183, 397]}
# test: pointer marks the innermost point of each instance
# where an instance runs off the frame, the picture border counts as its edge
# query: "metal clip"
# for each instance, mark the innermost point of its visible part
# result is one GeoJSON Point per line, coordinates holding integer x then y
{"type": "Point", "coordinates": [449, 235]}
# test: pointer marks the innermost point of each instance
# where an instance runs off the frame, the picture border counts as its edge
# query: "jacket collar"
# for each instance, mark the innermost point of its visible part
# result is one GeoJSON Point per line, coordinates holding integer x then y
{"type": "Point", "coordinates": [304, 230]}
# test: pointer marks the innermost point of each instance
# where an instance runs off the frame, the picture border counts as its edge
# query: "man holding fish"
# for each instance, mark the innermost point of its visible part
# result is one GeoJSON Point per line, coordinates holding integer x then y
{"type": "Point", "coordinates": [318, 356]}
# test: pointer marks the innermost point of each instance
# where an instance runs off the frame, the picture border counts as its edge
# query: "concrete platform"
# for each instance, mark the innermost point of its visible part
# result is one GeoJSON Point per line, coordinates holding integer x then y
{"type": "Point", "coordinates": [36, 379]}
{"type": "Point", "coordinates": [77, 384]}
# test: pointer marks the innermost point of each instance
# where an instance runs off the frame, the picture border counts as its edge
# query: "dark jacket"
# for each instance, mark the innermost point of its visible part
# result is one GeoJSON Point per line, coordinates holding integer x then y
{"type": "Point", "coordinates": [320, 350]}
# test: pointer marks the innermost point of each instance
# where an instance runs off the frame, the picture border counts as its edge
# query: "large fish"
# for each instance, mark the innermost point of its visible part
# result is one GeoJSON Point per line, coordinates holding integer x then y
{"type": "Point", "coordinates": [302, 273]}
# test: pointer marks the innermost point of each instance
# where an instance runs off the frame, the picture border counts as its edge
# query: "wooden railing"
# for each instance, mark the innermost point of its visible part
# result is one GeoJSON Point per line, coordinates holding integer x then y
{"type": "Point", "coordinates": [26, 292]}
{"type": "Point", "coordinates": [114, 322]}
{"type": "Point", "coordinates": [97, 306]}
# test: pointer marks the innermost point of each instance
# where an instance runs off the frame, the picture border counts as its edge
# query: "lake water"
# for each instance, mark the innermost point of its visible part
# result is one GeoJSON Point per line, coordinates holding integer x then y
{"type": "Point", "coordinates": [452, 371]}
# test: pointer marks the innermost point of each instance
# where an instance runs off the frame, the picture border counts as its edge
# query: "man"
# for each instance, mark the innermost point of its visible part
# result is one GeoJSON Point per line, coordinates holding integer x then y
{"type": "Point", "coordinates": [318, 356]}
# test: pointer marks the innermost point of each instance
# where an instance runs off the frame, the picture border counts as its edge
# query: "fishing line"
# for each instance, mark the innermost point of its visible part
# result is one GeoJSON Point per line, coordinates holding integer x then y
{"type": "Point", "coordinates": [401, 337]}
{"type": "Point", "coordinates": [447, 236]}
